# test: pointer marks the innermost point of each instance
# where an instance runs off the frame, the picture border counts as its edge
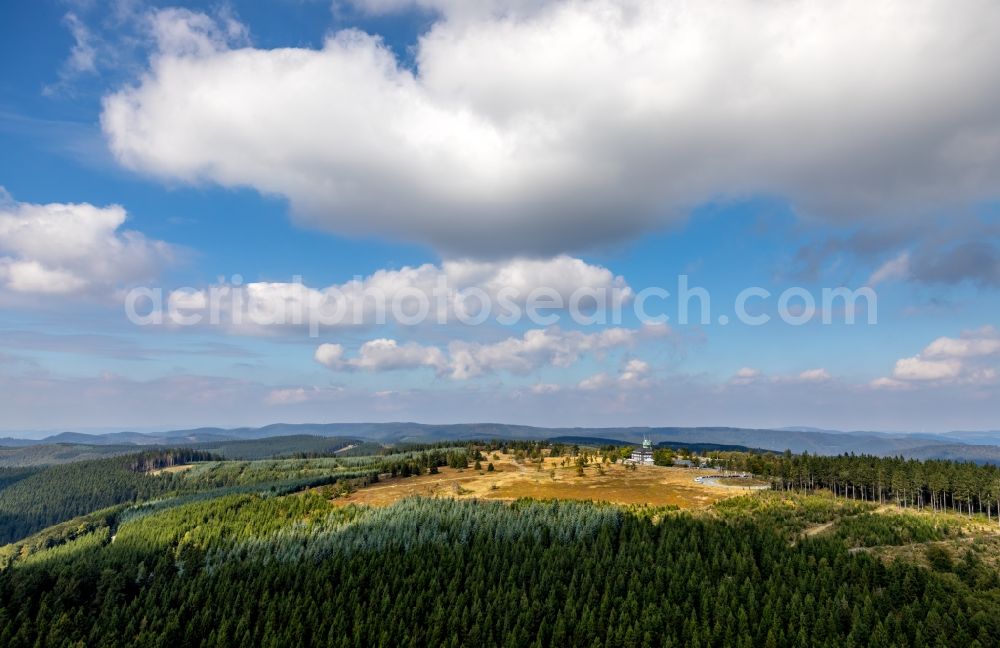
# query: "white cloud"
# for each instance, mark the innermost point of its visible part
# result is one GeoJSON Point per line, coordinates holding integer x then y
{"type": "Point", "coordinates": [290, 396]}
{"type": "Point", "coordinates": [814, 375]}
{"type": "Point", "coordinates": [746, 375]}
{"type": "Point", "coordinates": [889, 384]}
{"type": "Point", "coordinates": [182, 32]}
{"type": "Point", "coordinates": [966, 359]}
{"type": "Point", "coordinates": [539, 127]}
{"type": "Point", "coordinates": [634, 374]}
{"type": "Point", "coordinates": [83, 55]}
{"type": "Point", "coordinates": [454, 9]}
{"type": "Point", "coordinates": [452, 291]}
{"type": "Point", "coordinates": [388, 355]}
{"type": "Point", "coordinates": [983, 342]}
{"type": "Point", "coordinates": [382, 355]}
{"type": "Point", "coordinates": [563, 274]}
{"type": "Point", "coordinates": [330, 355]}
{"type": "Point", "coordinates": [538, 348]}
{"type": "Point", "coordinates": [72, 248]}
{"type": "Point", "coordinates": [895, 269]}
{"type": "Point", "coordinates": [303, 395]}
{"type": "Point", "coordinates": [753, 376]}
{"type": "Point", "coordinates": [917, 368]}
{"type": "Point", "coordinates": [33, 277]}
{"type": "Point", "coordinates": [596, 382]}
{"type": "Point", "coordinates": [462, 360]}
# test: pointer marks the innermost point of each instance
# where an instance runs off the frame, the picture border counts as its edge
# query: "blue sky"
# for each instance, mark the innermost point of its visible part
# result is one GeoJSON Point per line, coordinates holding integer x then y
{"type": "Point", "coordinates": [524, 144]}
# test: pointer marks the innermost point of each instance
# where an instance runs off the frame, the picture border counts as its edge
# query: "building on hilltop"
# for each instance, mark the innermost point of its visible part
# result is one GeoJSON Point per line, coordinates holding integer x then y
{"type": "Point", "coordinates": [643, 454]}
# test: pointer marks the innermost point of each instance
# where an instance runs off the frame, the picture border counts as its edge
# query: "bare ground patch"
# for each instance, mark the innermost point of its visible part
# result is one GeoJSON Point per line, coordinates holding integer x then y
{"type": "Point", "coordinates": [171, 469]}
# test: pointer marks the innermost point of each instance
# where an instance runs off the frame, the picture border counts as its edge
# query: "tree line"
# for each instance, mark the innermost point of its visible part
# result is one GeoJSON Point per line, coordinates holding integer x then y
{"type": "Point", "coordinates": [937, 485]}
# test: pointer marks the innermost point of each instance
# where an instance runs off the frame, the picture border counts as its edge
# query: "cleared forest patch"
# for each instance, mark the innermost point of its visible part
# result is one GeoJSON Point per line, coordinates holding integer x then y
{"type": "Point", "coordinates": [170, 469]}
{"type": "Point", "coordinates": [985, 548]}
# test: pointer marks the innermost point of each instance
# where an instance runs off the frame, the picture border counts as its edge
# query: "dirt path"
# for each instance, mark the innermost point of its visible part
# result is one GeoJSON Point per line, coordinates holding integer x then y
{"type": "Point", "coordinates": [818, 529]}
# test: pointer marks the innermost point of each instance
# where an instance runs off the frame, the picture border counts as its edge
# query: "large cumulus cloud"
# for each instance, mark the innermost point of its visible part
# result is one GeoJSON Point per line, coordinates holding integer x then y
{"type": "Point", "coordinates": [540, 127]}
{"type": "Point", "coordinates": [72, 249]}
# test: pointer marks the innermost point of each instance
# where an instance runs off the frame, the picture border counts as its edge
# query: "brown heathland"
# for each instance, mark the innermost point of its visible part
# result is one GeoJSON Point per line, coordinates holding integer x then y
{"type": "Point", "coordinates": [652, 485]}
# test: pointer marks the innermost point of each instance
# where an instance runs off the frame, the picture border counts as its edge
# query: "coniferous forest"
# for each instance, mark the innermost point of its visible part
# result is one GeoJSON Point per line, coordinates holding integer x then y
{"type": "Point", "coordinates": [228, 553]}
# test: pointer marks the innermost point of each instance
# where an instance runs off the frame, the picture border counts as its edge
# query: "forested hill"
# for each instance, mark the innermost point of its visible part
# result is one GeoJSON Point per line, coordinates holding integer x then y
{"type": "Point", "coordinates": [291, 571]}
{"type": "Point", "coordinates": [983, 447]}
{"type": "Point", "coordinates": [183, 548]}
{"type": "Point", "coordinates": [34, 498]}
{"type": "Point", "coordinates": [281, 446]}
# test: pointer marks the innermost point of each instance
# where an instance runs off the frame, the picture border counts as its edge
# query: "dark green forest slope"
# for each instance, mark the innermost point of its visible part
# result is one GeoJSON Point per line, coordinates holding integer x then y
{"type": "Point", "coordinates": [235, 553]}
{"type": "Point", "coordinates": [32, 499]}
{"type": "Point", "coordinates": [281, 571]}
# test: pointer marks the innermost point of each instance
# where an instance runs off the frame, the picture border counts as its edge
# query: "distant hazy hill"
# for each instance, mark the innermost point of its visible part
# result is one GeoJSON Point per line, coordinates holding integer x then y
{"type": "Point", "coordinates": [9, 442]}
{"type": "Point", "coordinates": [246, 449]}
{"type": "Point", "coordinates": [693, 446]}
{"type": "Point", "coordinates": [970, 446]}
{"type": "Point", "coordinates": [957, 452]}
